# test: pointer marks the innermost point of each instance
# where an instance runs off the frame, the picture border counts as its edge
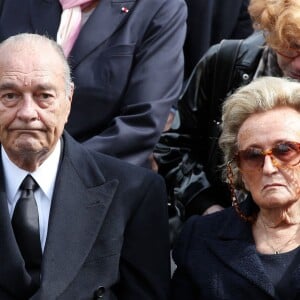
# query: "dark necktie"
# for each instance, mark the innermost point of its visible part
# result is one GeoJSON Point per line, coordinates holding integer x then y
{"type": "Point", "coordinates": [25, 223]}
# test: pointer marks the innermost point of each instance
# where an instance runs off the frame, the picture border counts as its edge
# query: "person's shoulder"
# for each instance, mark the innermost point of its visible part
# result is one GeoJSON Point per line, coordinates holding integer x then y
{"type": "Point", "coordinates": [209, 225]}
{"type": "Point", "coordinates": [254, 40]}
{"type": "Point", "coordinates": [198, 229]}
{"type": "Point", "coordinates": [111, 166]}
{"type": "Point", "coordinates": [170, 6]}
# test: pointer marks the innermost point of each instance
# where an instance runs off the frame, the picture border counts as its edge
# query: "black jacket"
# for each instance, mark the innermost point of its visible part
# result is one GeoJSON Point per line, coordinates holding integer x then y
{"type": "Point", "coordinates": [191, 147]}
{"type": "Point", "coordinates": [216, 258]}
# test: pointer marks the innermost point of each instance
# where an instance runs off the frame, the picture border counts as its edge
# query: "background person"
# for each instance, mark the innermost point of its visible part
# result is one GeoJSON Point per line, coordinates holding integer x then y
{"type": "Point", "coordinates": [251, 250]}
{"type": "Point", "coordinates": [83, 227]}
{"type": "Point", "coordinates": [127, 66]}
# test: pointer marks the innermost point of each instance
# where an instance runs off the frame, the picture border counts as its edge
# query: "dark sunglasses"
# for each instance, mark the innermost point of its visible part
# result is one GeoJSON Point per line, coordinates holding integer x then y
{"type": "Point", "coordinates": [282, 154]}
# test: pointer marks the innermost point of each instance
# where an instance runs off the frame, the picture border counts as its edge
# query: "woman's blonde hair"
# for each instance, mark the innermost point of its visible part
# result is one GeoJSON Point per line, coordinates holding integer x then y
{"type": "Point", "coordinates": [280, 21]}
{"type": "Point", "coordinates": [261, 95]}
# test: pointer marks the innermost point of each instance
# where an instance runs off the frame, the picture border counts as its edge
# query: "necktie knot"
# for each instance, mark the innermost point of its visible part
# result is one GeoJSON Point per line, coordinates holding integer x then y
{"type": "Point", "coordinates": [29, 184]}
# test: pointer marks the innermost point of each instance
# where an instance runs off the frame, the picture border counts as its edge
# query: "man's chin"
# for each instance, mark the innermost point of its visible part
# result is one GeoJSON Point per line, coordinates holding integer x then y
{"type": "Point", "coordinates": [28, 147]}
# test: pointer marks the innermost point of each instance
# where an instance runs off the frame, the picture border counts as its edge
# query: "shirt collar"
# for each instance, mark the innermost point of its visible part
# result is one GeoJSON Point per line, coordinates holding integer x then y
{"type": "Point", "coordinates": [45, 175]}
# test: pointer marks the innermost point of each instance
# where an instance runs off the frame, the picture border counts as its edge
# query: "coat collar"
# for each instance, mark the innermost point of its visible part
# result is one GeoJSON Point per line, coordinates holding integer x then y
{"type": "Point", "coordinates": [234, 246]}
{"type": "Point", "coordinates": [107, 17]}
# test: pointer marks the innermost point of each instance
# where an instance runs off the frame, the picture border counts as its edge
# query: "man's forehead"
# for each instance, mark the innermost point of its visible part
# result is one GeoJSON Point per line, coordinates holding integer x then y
{"type": "Point", "coordinates": [22, 74]}
{"type": "Point", "coordinates": [27, 77]}
{"type": "Point", "coordinates": [29, 66]}
{"type": "Point", "coordinates": [29, 56]}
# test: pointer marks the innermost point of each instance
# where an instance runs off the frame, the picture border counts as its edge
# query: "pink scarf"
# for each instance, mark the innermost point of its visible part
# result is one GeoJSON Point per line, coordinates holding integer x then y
{"type": "Point", "coordinates": [70, 23]}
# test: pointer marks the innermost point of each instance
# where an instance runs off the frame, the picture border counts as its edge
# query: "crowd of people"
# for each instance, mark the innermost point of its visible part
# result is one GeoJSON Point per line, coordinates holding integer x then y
{"type": "Point", "coordinates": [97, 97]}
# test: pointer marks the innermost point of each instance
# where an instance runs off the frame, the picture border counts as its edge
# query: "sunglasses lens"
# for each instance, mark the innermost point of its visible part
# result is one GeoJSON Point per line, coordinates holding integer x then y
{"type": "Point", "coordinates": [251, 158]}
{"type": "Point", "coordinates": [287, 153]}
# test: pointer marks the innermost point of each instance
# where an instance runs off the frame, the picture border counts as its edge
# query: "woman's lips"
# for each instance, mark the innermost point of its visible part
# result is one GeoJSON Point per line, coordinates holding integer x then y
{"type": "Point", "coordinates": [272, 185]}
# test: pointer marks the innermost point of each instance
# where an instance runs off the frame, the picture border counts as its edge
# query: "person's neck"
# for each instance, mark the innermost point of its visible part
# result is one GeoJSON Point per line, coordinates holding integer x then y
{"type": "Point", "coordinates": [281, 216]}
{"type": "Point", "coordinates": [277, 239]}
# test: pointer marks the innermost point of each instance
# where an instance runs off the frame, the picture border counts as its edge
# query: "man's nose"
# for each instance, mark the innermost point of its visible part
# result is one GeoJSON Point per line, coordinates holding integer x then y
{"type": "Point", "coordinates": [27, 109]}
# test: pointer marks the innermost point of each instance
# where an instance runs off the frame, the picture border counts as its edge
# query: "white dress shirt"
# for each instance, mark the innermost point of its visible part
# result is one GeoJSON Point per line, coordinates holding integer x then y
{"type": "Point", "coordinates": [45, 176]}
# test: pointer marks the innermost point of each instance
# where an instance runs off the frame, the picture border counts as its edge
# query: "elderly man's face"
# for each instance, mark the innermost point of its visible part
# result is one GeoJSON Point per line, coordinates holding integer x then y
{"type": "Point", "coordinates": [34, 106]}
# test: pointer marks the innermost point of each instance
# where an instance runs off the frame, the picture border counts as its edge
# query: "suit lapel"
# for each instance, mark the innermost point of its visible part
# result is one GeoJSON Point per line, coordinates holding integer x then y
{"type": "Point", "coordinates": [102, 23]}
{"type": "Point", "coordinates": [236, 249]}
{"type": "Point", "coordinates": [45, 16]}
{"type": "Point", "coordinates": [77, 212]}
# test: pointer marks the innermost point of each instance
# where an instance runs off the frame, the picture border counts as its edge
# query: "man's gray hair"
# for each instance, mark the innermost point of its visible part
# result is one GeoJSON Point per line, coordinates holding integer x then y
{"type": "Point", "coordinates": [23, 39]}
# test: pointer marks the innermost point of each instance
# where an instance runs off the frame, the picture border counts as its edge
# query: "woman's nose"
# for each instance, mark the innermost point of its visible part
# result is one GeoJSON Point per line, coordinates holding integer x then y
{"type": "Point", "coordinates": [270, 164]}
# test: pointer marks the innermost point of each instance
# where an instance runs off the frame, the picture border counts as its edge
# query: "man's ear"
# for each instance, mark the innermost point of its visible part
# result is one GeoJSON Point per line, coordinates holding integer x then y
{"type": "Point", "coordinates": [71, 92]}
{"type": "Point", "coordinates": [69, 98]}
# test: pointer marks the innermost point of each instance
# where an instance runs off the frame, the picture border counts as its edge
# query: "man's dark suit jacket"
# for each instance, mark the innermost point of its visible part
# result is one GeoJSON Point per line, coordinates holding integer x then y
{"type": "Point", "coordinates": [107, 234]}
{"type": "Point", "coordinates": [127, 69]}
{"type": "Point", "coordinates": [210, 21]}
{"type": "Point", "coordinates": [217, 259]}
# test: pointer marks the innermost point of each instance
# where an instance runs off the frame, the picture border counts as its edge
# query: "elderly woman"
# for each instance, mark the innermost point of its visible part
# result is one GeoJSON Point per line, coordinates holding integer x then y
{"type": "Point", "coordinates": [251, 250]}
{"type": "Point", "coordinates": [274, 50]}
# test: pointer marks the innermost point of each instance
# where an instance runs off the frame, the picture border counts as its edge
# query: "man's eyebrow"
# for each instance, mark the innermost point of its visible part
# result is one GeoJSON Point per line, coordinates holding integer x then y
{"type": "Point", "coordinates": [46, 86]}
{"type": "Point", "coordinates": [8, 86]}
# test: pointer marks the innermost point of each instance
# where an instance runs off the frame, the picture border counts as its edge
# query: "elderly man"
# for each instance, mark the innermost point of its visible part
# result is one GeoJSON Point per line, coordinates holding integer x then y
{"type": "Point", "coordinates": [74, 224]}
